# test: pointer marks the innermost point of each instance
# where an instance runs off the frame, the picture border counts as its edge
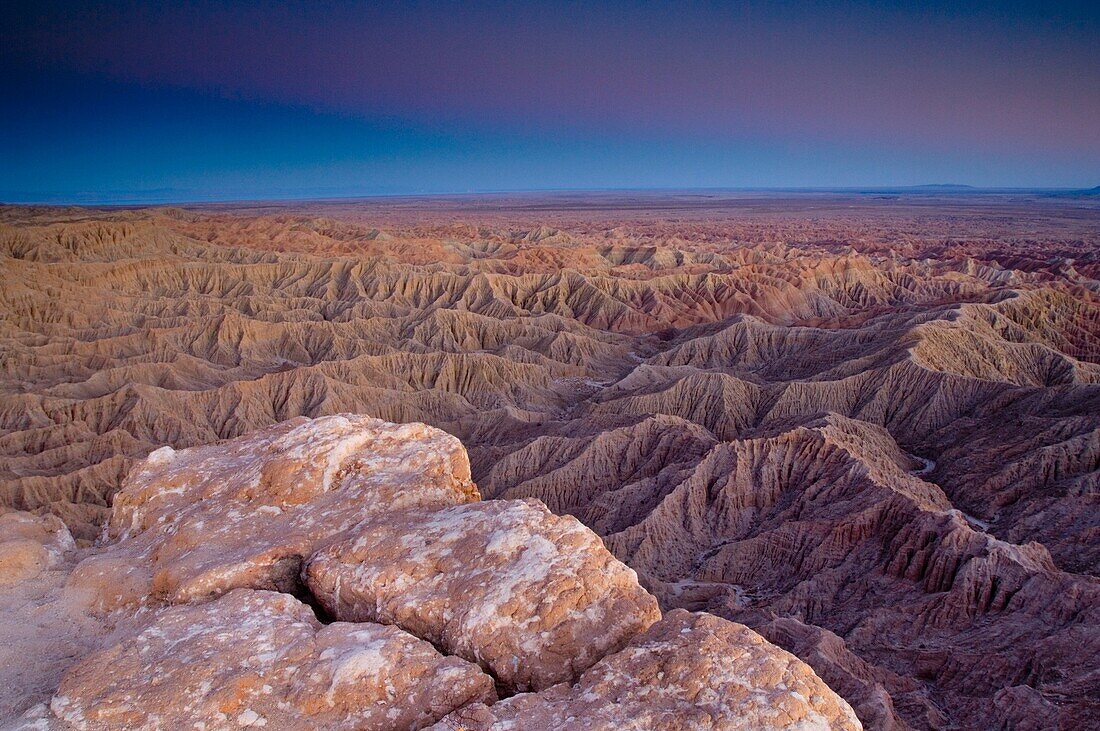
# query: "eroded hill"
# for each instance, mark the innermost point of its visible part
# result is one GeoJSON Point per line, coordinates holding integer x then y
{"type": "Point", "coordinates": [869, 431]}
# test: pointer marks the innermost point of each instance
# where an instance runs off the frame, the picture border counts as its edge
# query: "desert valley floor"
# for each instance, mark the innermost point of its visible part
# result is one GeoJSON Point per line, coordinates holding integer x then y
{"type": "Point", "coordinates": [867, 426]}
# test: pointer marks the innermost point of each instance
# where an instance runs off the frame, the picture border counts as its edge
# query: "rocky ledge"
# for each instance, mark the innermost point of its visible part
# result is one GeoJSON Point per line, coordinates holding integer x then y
{"type": "Point", "coordinates": [342, 573]}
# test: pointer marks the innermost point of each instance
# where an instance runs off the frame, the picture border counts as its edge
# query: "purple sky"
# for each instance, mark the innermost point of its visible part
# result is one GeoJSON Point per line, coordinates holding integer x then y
{"type": "Point", "coordinates": [649, 94]}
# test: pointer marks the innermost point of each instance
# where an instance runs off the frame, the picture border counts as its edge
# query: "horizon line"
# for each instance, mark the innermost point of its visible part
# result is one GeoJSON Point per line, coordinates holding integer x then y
{"type": "Point", "coordinates": [129, 202]}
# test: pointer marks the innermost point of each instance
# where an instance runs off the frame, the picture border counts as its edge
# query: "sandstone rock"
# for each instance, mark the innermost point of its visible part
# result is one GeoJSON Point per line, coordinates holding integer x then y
{"type": "Point", "coordinates": [30, 544]}
{"type": "Point", "coordinates": [42, 628]}
{"type": "Point", "coordinates": [689, 671]}
{"type": "Point", "coordinates": [193, 524]}
{"type": "Point", "coordinates": [535, 598]}
{"type": "Point", "coordinates": [21, 559]}
{"type": "Point", "coordinates": [258, 659]}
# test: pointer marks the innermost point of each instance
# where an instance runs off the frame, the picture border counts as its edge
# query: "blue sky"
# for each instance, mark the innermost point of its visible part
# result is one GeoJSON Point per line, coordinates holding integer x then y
{"type": "Point", "coordinates": [121, 102]}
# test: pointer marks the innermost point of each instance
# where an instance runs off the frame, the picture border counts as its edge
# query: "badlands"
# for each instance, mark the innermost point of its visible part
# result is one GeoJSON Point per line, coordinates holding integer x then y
{"type": "Point", "coordinates": [651, 461]}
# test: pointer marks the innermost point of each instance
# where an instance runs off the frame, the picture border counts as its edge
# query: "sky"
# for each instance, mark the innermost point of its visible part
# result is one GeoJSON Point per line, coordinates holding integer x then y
{"type": "Point", "coordinates": [109, 102]}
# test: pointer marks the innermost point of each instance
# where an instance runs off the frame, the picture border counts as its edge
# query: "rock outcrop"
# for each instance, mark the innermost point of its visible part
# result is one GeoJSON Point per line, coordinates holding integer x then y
{"type": "Point", "coordinates": [31, 544]}
{"type": "Point", "coordinates": [193, 524]}
{"type": "Point", "coordinates": [259, 659]}
{"type": "Point", "coordinates": [43, 628]}
{"type": "Point", "coordinates": [533, 597]}
{"type": "Point", "coordinates": [439, 603]}
{"type": "Point", "coordinates": [688, 672]}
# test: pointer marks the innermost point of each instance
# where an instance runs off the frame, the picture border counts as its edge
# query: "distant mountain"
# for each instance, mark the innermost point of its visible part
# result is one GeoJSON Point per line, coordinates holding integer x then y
{"type": "Point", "coordinates": [1078, 193]}
{"type": "Point", "coordinates": [943, 186]}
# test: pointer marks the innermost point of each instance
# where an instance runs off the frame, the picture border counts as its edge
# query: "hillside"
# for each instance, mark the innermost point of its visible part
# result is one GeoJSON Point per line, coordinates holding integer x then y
{"type": "Point", "coordinates": [867, 430]}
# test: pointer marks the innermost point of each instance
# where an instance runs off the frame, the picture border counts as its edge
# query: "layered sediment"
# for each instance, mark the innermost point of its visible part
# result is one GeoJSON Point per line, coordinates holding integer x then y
{"type": "Point", "coordinates": [867, 430]}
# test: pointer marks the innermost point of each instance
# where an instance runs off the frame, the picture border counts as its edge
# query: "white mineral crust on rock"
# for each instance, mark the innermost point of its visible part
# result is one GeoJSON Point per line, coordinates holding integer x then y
{"type": "Point", "coordinates": [533, 597]}
{"type": "Point", "coordinates": [195, 523]}
{"type": "Point", "coordinates": [259, 659]}
{"type": "Point", "coordinates": [690, 671]}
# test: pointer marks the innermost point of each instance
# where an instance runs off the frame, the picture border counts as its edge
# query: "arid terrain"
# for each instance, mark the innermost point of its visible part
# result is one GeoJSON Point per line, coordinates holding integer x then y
{"type": "Point", "coordinates": [864, 425]}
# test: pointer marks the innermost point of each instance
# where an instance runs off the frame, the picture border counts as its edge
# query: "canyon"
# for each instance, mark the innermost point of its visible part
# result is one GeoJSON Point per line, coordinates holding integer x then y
{"type": "Point", "coordinates": [861, 428]}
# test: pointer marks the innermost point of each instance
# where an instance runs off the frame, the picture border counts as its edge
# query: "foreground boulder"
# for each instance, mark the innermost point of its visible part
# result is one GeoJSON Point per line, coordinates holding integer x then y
{"type": "Point", "coordinates": [195, 523]}
{"type": "Point", "coordinates": [689, 671]}
{"type": "Point", "coordinates": [533, 597]}
{"type": "Point", "coordinates": [261, 659]}
{"type": "Point", "coordinates": [441, 601]}
{"type": "Point", "coordinates": [30, 544]}
{"type": "Point", "coordinates": [42, 630]}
